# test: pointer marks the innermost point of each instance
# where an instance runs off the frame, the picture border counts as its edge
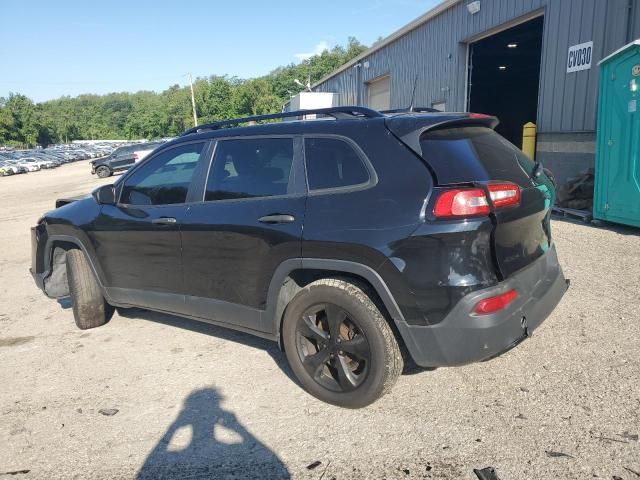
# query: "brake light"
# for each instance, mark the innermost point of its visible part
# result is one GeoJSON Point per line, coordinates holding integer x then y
{"type": "Point", "coordinates": [504, 194]}
{"type": "Point", "coordinates": [495, 304]}
{"type": "Point", "coordinates": [461, 202]}
{"type": "Point", "coordinates": [135, 157]}
{"type": "Point", "coordinates": [479, 115]}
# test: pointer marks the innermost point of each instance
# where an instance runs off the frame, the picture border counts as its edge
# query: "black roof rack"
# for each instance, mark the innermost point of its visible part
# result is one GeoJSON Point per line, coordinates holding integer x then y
{"type": "Point", "coordinates": [335, 112]}
{"type": "Point", "coordinates": [413, 109]}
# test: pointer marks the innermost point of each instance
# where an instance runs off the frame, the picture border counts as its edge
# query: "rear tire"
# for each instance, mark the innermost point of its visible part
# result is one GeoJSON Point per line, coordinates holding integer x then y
{"type": "Point", "coordinates": [103, 172]}
{"type": "Point", "coordinates": [90, 309]}
{"type": "Point", "coordinates": [339, 345]}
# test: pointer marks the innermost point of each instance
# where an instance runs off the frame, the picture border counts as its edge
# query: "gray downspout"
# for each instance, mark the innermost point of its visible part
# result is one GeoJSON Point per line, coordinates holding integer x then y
{"type": "Point", "coordinates": [358, 67]}
{"type": "Point", "coordinates": [630, 13]}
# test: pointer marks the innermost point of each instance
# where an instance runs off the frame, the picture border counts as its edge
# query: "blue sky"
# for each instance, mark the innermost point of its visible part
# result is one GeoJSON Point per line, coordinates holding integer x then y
{"type": "Point", "coordinates": [64, 47]}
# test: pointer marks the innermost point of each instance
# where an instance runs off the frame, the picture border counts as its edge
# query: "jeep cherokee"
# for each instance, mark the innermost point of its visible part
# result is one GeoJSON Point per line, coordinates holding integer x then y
{"type": "Point", "coordinates": [358, 242]}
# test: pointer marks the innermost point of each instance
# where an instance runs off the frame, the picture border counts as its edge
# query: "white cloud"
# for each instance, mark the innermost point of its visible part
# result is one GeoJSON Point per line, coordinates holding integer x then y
{"type": "Point", "coordinates": [317, 50]}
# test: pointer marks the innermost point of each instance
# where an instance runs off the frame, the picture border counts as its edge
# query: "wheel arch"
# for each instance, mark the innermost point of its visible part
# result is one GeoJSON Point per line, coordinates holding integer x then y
{"type": "Point", "coordinates": [293, 275]}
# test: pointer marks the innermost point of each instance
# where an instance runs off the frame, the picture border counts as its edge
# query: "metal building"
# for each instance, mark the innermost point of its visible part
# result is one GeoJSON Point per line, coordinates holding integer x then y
{"type": "Point", "coordinates": [522, 60]}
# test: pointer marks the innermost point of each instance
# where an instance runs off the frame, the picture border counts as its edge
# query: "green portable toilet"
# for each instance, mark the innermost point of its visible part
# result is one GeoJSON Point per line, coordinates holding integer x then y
{"type": "Point", "coordinates": [617, 182]}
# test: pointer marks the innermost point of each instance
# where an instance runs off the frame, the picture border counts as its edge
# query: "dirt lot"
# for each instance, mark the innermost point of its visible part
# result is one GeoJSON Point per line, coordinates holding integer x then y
{"type": "Point", "coordinates": [153, 395]}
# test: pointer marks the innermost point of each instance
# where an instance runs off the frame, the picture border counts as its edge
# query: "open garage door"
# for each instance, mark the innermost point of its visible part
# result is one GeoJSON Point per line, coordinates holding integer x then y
{"type": "Point", "coordinates": [504, 76]}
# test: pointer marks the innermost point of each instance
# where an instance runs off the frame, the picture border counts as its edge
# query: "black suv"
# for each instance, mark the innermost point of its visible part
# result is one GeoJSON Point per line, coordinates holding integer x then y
{"type": "Point", "coordinates": [358, 242]}
{"type": "Point", "coordinates": [122, 158]}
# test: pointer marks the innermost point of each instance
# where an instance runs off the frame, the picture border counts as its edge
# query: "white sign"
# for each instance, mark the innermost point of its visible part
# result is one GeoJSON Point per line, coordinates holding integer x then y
{"type": "Point", "coordinates": [580, 57]}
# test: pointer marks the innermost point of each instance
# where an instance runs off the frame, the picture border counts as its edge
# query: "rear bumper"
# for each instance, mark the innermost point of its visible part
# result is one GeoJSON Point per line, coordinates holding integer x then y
{"type": "Point", "coordinates": [463, 337]}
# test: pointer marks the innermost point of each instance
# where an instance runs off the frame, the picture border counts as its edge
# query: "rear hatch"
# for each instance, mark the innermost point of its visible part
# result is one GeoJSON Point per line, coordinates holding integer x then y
{"type": "Point", "coordinates": [465, 151]}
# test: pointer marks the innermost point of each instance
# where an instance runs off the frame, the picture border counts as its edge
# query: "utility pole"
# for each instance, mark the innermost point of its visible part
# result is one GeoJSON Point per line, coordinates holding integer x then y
{"type": "Point", "coordinates": [193, 102]}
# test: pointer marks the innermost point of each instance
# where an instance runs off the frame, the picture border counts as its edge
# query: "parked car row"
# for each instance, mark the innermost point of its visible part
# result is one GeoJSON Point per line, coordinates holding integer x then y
{"type": "Point", "coordinates": [13, 162]}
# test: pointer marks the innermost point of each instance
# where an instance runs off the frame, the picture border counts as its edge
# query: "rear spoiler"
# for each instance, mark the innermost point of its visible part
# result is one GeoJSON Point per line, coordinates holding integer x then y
{"type": "Point", "coordinates": [409, 128]}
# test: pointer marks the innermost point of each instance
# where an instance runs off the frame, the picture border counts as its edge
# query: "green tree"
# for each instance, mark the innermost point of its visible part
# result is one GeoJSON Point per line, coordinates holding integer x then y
{"type": "Point", "coordinates": [214, 98]}
{"type": "Point", "coordinates": [255, 97]}
{"type": "Point", "coordinates": [149, 115]}
{"type": "Point", "coordinates": [7, 122]}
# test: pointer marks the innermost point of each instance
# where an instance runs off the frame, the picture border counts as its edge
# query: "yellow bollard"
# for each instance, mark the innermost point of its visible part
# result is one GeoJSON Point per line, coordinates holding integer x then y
{"type": "Point", "coordinates": [529, 140]}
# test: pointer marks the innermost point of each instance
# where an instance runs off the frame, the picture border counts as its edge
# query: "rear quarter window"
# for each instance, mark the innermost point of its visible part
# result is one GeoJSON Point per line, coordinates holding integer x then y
{"type": "Point", "coordinates": [333, 163]}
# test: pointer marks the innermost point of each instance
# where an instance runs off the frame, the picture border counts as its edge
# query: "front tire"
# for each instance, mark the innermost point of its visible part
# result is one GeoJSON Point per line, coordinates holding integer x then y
{"type": "Point", "coordinates": [339, 345]}
{"type": "Point", "coordinates": [103, 172]}
{"type": "Point", "coordinates": [90, 309]}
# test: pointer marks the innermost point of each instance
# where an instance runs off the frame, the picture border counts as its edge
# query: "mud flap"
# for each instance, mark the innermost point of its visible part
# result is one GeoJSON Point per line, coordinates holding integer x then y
{"type": "Point", "coordinates": [56, 284]}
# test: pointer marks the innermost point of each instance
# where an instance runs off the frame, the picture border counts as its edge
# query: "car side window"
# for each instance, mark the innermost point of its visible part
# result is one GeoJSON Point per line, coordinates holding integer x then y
{"type": "Point", "coordinates": [333, 163]}
{"type": "Point", "coordinates": [251, 167]}
{"type": "Point", "coordinates": [165, 179]}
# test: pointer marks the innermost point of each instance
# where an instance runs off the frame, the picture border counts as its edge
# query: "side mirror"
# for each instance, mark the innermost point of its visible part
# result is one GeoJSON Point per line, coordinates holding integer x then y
{"type": "Point", "coordinates": [105, 195]}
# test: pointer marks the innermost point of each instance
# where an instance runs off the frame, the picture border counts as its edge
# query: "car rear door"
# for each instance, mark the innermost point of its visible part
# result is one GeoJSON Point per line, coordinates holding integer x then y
{"type": "Point", "coordinates": [249, 222]}
{"type": "Point", "coordinates": [137, 241]}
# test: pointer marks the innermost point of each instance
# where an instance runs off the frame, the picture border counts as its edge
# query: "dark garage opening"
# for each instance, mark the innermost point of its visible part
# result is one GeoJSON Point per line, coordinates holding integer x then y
{"type": "Point", "coordinates": [504, 75]}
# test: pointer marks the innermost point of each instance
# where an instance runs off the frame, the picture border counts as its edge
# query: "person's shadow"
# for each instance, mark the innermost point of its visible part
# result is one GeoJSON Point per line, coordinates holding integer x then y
{"type": "Point", "coordinates": [206, 441]}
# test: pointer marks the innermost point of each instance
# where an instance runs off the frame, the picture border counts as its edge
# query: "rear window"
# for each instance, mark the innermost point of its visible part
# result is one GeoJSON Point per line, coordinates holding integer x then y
{"type": "Point", "coordinates": [474, 154]}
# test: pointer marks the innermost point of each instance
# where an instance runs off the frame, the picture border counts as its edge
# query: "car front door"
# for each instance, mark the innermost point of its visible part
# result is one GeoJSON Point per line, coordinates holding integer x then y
{"type": "Point", "coordinates": [249, 222]}
{"type": "Point", "coordinates": [137, 241]}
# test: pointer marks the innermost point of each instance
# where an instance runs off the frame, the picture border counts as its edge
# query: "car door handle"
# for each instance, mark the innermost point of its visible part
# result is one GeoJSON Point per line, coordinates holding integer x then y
{"type": "Point", "coordinates": [164, 221]}
{"type": "Point", "coordinates": [276, 218]}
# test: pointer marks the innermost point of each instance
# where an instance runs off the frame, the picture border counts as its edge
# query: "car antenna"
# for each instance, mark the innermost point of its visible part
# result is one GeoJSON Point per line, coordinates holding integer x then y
{"type": "Point", "coordinates": [413, 93]}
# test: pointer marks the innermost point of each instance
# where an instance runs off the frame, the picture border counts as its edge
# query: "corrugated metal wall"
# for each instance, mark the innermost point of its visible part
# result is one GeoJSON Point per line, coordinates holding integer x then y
{"type": "Point", "coordinates": [636, 21]}
{"type": "Point", "coordinates": [437, 53]}
{"type": "Point", "coordinates": [568, 101]}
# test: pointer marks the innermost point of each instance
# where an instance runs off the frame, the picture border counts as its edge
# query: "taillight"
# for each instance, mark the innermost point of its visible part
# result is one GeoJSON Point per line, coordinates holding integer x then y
{"type": "Point", "coordinates": [504, 194]}
{"type": "Point", "coordinates": [469, 202]}
{"type": "Point", "coordinates": [495, 304]}
{"type": "Point", "coordinates": [479, 115]}
{"type": "Point", "coordinates": [135, 157]}
{"type": "Point", "coordinates": [461, 202]}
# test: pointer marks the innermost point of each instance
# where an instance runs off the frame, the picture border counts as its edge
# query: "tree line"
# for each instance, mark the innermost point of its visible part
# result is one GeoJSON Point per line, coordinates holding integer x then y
{"type": "Point", "coordinates": [148, 114]}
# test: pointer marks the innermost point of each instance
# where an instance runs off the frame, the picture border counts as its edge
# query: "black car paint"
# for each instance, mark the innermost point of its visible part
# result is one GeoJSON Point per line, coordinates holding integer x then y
{"type": "Point", "coordinates": [421, 268]}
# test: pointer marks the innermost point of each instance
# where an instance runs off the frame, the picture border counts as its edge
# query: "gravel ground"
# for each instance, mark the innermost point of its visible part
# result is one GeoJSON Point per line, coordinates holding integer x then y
{"type": "Point", "coordinates": [156, 396]}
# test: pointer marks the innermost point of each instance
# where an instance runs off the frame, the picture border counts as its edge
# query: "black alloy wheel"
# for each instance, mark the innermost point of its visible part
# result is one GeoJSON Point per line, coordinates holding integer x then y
{"type": "Point", "coordinates": [332, 348]}
{"type": "Point", "coordinates": [339, 343]}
